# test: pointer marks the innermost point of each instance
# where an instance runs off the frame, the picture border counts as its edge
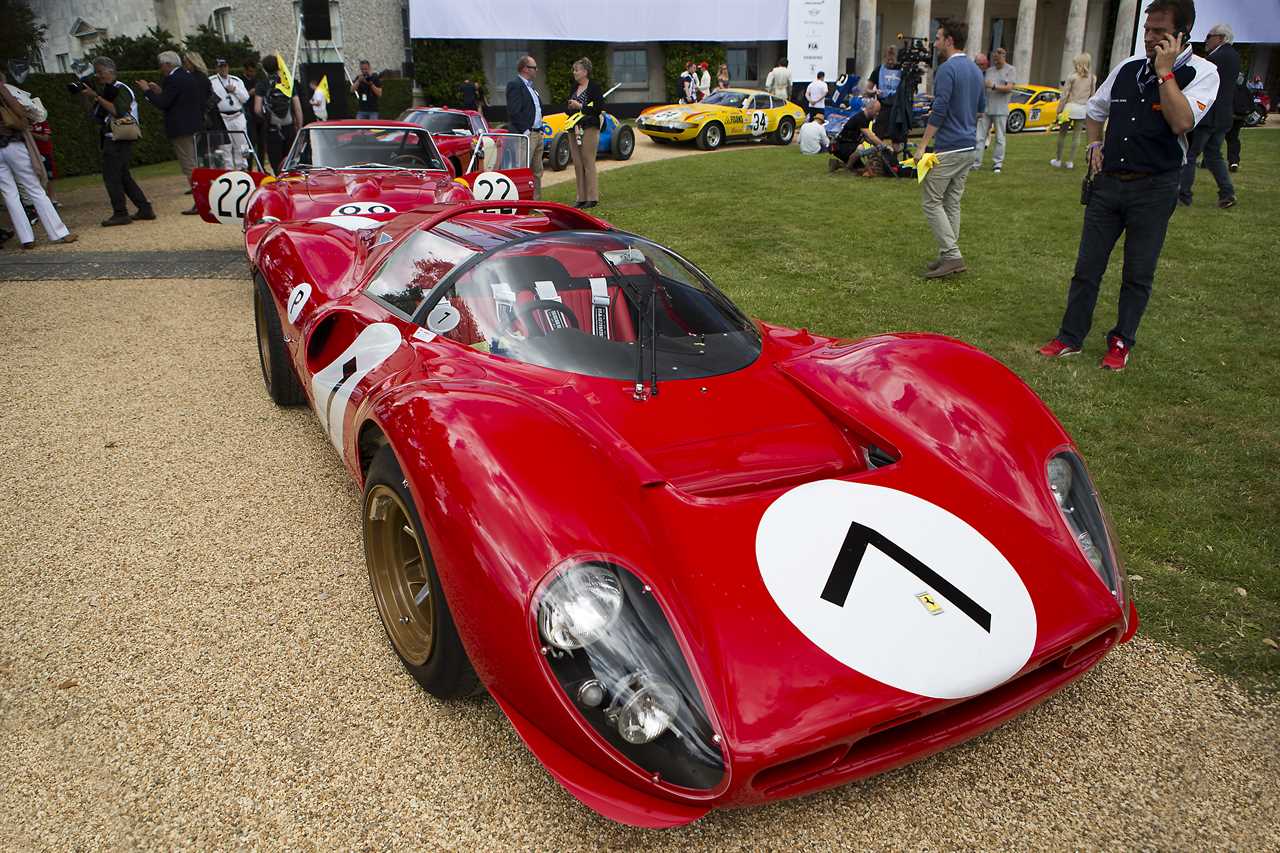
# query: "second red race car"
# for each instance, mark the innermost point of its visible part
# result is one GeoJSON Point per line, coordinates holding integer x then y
{"type": "Point", "coordinates": [699, 561]}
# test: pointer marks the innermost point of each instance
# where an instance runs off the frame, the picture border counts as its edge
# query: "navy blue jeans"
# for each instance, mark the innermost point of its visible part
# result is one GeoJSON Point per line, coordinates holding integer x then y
{"type": "Point", "coordinates": [1140, 209]}
{"type": "Point", "coordinates": [1209, 143]}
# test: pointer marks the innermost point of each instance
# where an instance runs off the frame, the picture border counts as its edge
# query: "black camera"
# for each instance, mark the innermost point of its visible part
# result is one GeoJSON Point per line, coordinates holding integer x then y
{"type": "Point", "coordinates": [914, 51]}
{"type": "Point", "coordinates": [75, 87]}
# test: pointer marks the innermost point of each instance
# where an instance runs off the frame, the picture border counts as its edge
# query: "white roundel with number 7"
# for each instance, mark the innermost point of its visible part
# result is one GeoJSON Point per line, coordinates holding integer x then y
{"type": "Point", "coordinates": [229, 196]}
{"type": "Point", "coordinates": [896, 587]}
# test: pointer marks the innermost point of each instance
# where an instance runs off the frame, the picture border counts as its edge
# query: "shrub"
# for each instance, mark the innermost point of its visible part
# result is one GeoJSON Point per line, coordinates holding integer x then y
{"type": "Point", "coordinates": [138, 53]}
{"type": "Point", "coordinates": [559, 67]}
{"type": "Point", "coordinates": [440, 66]}
{"type": "Point", "coordinates": [676, 54]}
{"type": "Point", "coordinates": [210, 44]}
{"type": "Point", "coordinates": [397, 96]}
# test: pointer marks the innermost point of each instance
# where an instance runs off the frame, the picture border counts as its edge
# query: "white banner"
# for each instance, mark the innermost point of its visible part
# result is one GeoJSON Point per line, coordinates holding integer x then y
{"type": "Point", "coordinates": [1251, 21]}
{"type": "Point", "coordinates": [593, 20]}
{"type": "Point", "coordinates": [813, 39]}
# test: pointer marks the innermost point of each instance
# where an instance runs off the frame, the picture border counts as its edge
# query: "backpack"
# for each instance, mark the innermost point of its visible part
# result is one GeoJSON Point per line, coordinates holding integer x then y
{"type": "Point", "coordinates": [279, 106]}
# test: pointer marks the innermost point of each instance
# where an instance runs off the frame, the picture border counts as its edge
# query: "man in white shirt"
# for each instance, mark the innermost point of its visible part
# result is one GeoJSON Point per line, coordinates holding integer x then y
{"type": "Point", "coordinates": [704, 81]}
{"type": "Point", "coordinates": [813, 135]}
{"type": "Point", "coordinates": [319, 105]}
{"type": "Point", "coordinates": [816, 95]}
{"type": "Point", "coordinates": [999, 80]}
{"type": "Point", "coordinates": [232, 95]}
{"type": "Point", "coordinates": [778, 83]}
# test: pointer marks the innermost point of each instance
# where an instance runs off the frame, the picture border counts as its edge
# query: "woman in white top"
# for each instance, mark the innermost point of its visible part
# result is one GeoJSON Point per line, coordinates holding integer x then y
{"type": "Point", "coordinates": [1076, 92]}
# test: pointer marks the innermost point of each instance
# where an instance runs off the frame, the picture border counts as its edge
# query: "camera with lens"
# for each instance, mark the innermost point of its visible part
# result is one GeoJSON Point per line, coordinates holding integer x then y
{"type": "Point", "coordinates": [913, 51]}
{"type": "Point", "coordinates": [75, 87]}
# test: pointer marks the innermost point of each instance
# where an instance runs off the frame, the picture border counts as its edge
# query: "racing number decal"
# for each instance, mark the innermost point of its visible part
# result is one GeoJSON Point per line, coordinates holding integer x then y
{"type": "Point", "coordinates": [297, 301]}
{"type": "Point", "coordinates": [361, 208]}
{"type": "Point", "coordinates": [759, 122]}
{"type": "Point", "coordinates": [331, 386]}
{"type": "Point", "coordinates": [896, 587]}
{"type": "Point", "coordinates": [491, 186]}
{"type": "Point", "coordinates": [229, 196]}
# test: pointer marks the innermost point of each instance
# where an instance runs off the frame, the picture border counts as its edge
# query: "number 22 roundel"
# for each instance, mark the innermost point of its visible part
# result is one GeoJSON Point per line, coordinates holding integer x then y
{"type": "Point", "coordinates": [896, 587]}
{"type": "Point", "coordinates": [229, 196]}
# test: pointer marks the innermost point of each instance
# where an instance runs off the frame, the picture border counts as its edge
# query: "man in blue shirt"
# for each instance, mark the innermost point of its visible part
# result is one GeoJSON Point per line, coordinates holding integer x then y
{"type": "Point", "coordinates": [957, 99]}
{"type": "Point", "coordinates": [524, 115]}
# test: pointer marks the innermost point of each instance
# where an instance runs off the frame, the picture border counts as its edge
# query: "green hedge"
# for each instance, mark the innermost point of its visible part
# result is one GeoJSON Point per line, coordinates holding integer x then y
{"type": "Point", "coordinates": [397, 96]}
{"type": "Point", "coordinates": [440, 66]}
{"type": "Point", "coordinates": [75, 138]}
{"type": "Point", "coordinates": [558, 67]}
{"type": "Point", "coordinates": [676, 54]}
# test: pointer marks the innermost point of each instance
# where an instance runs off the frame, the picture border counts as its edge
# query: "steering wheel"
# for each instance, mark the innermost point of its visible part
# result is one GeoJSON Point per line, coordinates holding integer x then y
{"type": "Point", "coordinates": [412, 160]}
{"type": "Point", "coordinates": [524, 314]}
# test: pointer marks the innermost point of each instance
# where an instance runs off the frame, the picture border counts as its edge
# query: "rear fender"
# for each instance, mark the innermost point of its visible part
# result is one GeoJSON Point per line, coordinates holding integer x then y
{"type": "Point", "coordinates": [223, 196]}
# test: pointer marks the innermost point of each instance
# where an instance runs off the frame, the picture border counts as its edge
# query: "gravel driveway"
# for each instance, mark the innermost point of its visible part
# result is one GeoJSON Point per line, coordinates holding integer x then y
{"type": "Point", "coordinates": [190, 656]}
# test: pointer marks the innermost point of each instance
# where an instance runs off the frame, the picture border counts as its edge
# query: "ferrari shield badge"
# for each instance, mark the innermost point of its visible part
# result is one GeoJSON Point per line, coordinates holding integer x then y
{"type": "Point", "coordinates": [930, 603]}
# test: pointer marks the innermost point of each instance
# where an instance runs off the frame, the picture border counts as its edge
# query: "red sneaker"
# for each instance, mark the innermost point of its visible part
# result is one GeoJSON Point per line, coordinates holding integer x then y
{"type": "Point", "coordinates": [1117, 355]}
{"type": "Point", "coordinates": [1057, 349]}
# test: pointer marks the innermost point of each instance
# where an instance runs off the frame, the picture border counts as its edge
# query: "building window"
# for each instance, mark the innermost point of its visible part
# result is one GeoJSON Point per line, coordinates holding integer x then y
{"type": "Point", "coordinates": [504, 60]}
{"type": "Point", "coordinates": [220, 21]}
{"type": "Point", "coordinates": [64, 60]}
{"type": "Point", "coordinates": [743, 63]}
{"type": "Point", "coordinates": [631, 66]}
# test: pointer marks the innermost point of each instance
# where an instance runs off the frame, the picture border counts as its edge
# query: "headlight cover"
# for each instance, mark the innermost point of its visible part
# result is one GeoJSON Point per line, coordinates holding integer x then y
{"type": "Point", "coordinates": [626, 675]}
{"type": "Point", "coordinates": [1078, 501]}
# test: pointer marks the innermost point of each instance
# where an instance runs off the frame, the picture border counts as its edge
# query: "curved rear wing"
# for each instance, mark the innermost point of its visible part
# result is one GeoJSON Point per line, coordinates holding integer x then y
{"type": "Point", "coordinates": [561, 215]}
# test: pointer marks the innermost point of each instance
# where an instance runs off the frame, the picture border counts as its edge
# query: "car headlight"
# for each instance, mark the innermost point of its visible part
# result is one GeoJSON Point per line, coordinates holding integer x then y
{"type": "Point", "coordinates": [1078, 501]}
{"type": "Point", "coordinates": [613, 653]}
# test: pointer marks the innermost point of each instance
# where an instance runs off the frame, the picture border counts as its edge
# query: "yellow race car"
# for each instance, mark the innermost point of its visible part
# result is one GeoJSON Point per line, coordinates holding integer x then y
{"type": "Point", "coordinates": [1032, 107]}
{"type": "Point", "coordinates": [727, 115]}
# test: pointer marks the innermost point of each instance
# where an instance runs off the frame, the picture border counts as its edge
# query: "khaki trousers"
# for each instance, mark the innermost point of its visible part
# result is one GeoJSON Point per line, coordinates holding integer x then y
{"type": "Point", "coordinates": [535, 161]}
{"type": "Point", "coordinates": [940, 194]}
{"type": "Point", "coordinates": [185, 149]}
{"type": "Point", "coordinates": [584, 163]}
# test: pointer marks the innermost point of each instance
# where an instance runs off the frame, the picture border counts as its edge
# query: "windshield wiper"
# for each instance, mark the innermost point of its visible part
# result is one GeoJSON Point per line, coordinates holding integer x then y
{"type": "Point", "coordinates": [369, 166]}
{"type": "Point", "coordinates": [632, 255]}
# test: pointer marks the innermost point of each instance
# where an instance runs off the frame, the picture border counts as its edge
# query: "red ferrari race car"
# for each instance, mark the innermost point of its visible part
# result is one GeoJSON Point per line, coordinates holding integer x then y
{"type": "Point", "coordinates": [700, 561]}
{"type": "Point", "coordinates": [452, 130]}
{"type": "Point", "coordinates": [351, 168]}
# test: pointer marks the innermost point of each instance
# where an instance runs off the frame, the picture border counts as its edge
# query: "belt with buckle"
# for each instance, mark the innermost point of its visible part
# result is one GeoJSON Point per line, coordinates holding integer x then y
{"type": "Point", "coordinates": [1129, 176]}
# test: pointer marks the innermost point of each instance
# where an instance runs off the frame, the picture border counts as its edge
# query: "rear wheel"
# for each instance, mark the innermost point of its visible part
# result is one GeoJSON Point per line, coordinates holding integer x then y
{"type": "Point", "coordinates": [560, 152]}
{"type": "Point", "coordinates": [406, 590]}
{"type": "Point", "coordinates": [1017, 121]}
{"type": "Point", "coordinates": [785, 133]}
{"type": "Point", "coordinates": [624, 142]}
{"type": "Point", "coordinates": [282, 383]}
{"type": "Point", "coordinates": [711, 136]}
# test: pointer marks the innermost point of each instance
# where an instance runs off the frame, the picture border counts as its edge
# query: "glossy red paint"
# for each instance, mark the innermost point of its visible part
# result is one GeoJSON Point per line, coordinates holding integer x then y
{"type": "Point", "coordinates": [516, 469]}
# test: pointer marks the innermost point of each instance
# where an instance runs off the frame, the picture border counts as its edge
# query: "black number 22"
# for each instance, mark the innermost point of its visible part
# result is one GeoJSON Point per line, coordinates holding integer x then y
{"type": "Point", "coordinates": [840, 581]}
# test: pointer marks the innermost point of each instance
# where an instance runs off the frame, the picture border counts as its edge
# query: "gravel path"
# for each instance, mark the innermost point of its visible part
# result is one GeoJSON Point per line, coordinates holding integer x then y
{"type": "Point", "coordinates": [190, 656]}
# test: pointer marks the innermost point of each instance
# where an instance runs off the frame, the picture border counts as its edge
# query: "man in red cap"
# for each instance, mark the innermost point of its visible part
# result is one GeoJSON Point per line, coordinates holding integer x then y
{"type": "Point", "coordinates": [704, 81]}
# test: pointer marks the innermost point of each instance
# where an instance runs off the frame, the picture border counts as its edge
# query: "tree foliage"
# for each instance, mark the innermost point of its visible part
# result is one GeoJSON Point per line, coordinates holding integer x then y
{"type": "Point", "coordinates": [210, 44]}
{"type": "Point", "coordinates": [676, 53]}
{"type": "Point", "coordinates": [559, 67]}
{"type": "Point", "coordinates": [440, 66]}
{"type": "Point", "coordinates": [137, 53]}
{"type": "Point", "coordinates": [21, 35]}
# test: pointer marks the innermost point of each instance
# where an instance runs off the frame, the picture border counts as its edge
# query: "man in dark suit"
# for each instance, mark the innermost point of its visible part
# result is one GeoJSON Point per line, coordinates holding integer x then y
{"type": "Point", "coordinates": [1213, 129]}
{"type": "Point", "coordinates": [181, 97]}
{"type": "Point", "coordinates": [524, 115]}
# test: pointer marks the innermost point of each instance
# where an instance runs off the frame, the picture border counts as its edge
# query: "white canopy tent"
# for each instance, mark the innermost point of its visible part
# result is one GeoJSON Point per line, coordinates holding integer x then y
{"type": "Point", "coordinates": [1252, 21]}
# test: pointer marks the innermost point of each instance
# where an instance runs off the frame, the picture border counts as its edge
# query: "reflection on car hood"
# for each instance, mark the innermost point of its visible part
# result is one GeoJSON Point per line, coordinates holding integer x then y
{"type": "Point", "coordinates": [410, 188]}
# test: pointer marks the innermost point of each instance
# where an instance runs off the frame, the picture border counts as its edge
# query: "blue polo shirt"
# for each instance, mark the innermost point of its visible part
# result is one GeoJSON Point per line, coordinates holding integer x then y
{"type": "Point", "coordinates": [958, 97]}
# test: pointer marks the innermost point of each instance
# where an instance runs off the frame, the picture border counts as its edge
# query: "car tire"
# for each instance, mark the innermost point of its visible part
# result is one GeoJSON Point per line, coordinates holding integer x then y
{"type": "Point", "coordinates": [282, 382]}
{"type": "Point", "coordinates": [560, 154]}
{"type": "Point", "coordinates": [1016, 122]}
{"type": "Point", "coordinates": [785, 133]}
{"type": "Point", "coordinates": [624, 142]}
{"type": "Point", "coordinates": [423, 635]}
{"type": "Point", "coordinates": [711, 136]}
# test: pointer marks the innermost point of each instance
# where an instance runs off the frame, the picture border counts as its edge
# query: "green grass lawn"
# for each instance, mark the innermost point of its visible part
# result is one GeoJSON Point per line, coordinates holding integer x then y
{"type": "Point", "coordinates": [1184, 445]}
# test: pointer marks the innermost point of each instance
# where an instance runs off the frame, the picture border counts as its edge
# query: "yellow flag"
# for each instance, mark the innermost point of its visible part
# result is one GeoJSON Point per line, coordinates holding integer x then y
{"type": "Point", "coordinates": [323, 88]}
{"type": "Point", "coordinates": [286, 79]}
{"type": "Point", "coordinates": [924, 163]}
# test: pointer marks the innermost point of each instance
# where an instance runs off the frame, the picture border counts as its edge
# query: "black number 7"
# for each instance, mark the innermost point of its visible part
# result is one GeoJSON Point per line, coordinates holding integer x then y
{"type": "Point", "coordinates": [840, 581]}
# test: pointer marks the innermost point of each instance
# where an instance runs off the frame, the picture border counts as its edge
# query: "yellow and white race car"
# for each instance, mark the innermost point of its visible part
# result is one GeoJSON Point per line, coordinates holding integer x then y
{"type": "Point", "coordinates": [1032, 108]}
{"type": "Point", "coordinates": [727, 115]}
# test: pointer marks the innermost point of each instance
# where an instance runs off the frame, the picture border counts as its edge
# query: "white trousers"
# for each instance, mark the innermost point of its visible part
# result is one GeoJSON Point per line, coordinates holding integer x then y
{"type": "Point", "coordinates": [238, 138]}
{"type": "Point", "coordinates": [15, 171]}
{"type": "Point", "coordinates": [985, 122]}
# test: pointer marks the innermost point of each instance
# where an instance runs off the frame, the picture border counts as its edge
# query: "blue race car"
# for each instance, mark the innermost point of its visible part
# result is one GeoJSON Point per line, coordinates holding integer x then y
{"type": "Point", "coordinates": [617, 140]}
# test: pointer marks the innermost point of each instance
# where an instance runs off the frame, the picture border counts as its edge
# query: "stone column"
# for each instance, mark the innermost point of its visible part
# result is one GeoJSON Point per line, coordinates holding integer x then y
{"type": "Point", "coordinates": [976, 18]}
{"type": "Point", "coordinates": [921, 17]}
{"type": "Point", "coordinates": [1025, 39]}
{"type": "Point", "coordinates": [1073, 38]}
{"type": "Point", "coordinates": [1122, 45]}
{"type": "Point", "coordinates": [866, 51]}
{"type": "Point", "coordinates": [1093, 36]}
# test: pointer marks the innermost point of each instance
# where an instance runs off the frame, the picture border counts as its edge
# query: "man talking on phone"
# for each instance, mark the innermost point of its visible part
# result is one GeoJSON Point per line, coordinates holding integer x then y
{"type": "Point", "coordinates": [1148, 106]}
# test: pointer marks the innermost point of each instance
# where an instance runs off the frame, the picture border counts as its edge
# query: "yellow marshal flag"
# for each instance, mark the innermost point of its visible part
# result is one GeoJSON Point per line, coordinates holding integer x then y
{"type": "Point", "coordinates": [323, 88]}
{"type": "Point", "coordinates": [286, 79]}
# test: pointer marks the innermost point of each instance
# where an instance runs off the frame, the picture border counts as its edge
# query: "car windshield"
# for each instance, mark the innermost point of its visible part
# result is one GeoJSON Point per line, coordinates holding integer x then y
{"type": "Point", "coordinates": [726, 99]}
{"type": "Point", "coordinates": [436, 121]}
{"type": "Point", "coordinates": [1020, 96]}
{"type": "Point", "coordinates": [347, 147]}
{"type": "Point", "coordinates": [589, 302]}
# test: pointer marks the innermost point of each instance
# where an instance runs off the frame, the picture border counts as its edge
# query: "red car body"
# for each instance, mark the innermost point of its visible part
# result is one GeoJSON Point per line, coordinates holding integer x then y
{"type": "Point", "coordinates": [453, 130]}
{"type": "Point", "coordinates": [518, 469]}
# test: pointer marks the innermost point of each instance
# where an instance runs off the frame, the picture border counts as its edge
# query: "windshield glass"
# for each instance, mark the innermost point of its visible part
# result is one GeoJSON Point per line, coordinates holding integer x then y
{"type": "Point", "coordinates": [435, 121]}
{"type": "Point", "coordinates": [582, 302]}
{"type": "Point", "coordinates": [364, 147]}
{"type": "Point", "coordinates": [1020, 96]}
{"type": "Point", "coordinates": [728, 99]}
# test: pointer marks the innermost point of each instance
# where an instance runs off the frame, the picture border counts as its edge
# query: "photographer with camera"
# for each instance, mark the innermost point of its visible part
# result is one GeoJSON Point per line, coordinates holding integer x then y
{"type": "Point", "coordinates": [957, 99]}
{"type": "Point", "coordinates": [115, 112]}
{"type": "Point", "coordinates": [17, 172]}
{"type": "Point", "coordinates": [1148, 105]}
{"type": "Point", "coordinates": [367, 87]}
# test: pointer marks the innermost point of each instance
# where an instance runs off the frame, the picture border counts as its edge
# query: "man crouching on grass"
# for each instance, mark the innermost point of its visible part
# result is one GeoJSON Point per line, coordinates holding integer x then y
{"type": "Point", "coordinates": [957, 99]}
{"type": "Point", "coordinates": [1149, 103]}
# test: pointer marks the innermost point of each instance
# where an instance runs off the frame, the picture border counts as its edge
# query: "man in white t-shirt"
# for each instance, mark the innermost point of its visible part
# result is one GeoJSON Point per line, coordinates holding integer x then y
{"type": "Point", "coordinates": [778, 83]}
{"type": "Point", "coordinates": [319, 105]}
{"type": "Point", "coordinates": [816, 95]}
{"type": "Point", "coordinates": [999, 80]}
{"type": "Point", "coordinates": [813, 135]}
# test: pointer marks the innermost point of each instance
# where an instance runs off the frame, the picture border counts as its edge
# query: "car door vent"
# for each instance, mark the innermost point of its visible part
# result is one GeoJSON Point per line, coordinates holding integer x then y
{"type": "Point", "coordinates": [878, 458]}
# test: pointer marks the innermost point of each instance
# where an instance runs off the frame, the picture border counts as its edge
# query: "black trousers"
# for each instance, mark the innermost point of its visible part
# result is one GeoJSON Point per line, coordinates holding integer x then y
{"type": "Point", "coordinates": [1233, 140]}
{"type": "Point", "coordinates": [119, 181]}
{"type": "Point", "coordinates": [279, 141]}
{"type": "Point", "coordinates": [1140, 209]}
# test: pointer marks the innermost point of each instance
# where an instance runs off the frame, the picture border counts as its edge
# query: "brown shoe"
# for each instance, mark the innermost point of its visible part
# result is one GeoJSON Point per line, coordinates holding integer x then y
{"type": "Point", "coordinates": [946, 267]}
{"type": "Point", "coordinates": [70, 238]}
{"type": "Point", "coordinates": [933, 265]}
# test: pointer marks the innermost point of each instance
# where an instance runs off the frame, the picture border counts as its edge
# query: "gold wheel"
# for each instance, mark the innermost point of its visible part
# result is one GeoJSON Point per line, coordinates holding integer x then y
{"type": "Point", "coordinates": [399, 575]}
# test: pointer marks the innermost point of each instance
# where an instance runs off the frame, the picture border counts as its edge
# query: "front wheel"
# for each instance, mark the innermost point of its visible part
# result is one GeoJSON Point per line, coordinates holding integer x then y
{"type": "Point", "coordinates": [282, 383]}
{"type": "Point", "coordinates": [1017, 121]}
{"type": "Point", "coordinates": [785, 133]}
{"type": "Point", "coordinates": [711, 136]}
{"type": "Point", "coordinates": [624, 142]}
{"type": "Point", "coordinates": [560, 154]}
{"type": "Point", "coordinates": [406, 590]}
